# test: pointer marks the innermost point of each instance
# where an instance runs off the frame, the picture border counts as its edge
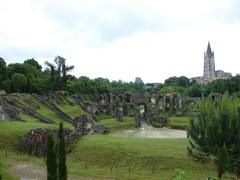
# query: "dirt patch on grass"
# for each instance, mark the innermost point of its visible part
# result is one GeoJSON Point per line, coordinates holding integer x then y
{"type": "Point", "coordinates": [28, 172]}
{"type": "Point", "coordinates": [34, 172]}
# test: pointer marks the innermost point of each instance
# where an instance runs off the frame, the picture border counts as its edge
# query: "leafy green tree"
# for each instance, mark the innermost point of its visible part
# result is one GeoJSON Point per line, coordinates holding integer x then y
{"type": "Point", "coordinates": [216, 133]}
{"type": "Point", "coordinates": [183, 81]}
{"type": "Point", "coordinates": [177, 81]}
{"type": "Point", "coordinates": [51, 160]}
{"type": "Point", "coordinates": [59, 72]}
{"type": "Point", "coordinates": [138, 80]}
{"type": "Point", "coordinates": [62, 167]}
{"type": "Point", "coordinates": [139, 85]}
{"type": "Point", "coordinates": [167, 89]}
{"type": "Point", "coordinates": [233, 84]}
{"type": "Point", "coordinates": [19, 81]}
{"type": "Point", "coordinates": [103, 85]}
{"type": "Point", "coordinates": [3, 71]}
{"type": "Point", "coordinates": [33, 63]}
{"type": "Point", "coordinates": [172, 81]}
{"type": "Point", "coordinates": [28, 70]}
{"type": "Point", "coordinates": [7, 85]}
{"type": "Point", "coordinates": [52, 68]}
{"type": "Point", "coordinates": [194, 90]}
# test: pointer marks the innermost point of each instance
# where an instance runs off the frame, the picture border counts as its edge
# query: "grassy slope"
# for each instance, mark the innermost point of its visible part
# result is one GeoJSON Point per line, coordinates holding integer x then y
{"type": "Point", "coordinates": [113, 124]}
{"type": "Point", "coordinates": [43, 110]}
{"type": "Point", "coordinates": [72, 110]}
{"type": "Point", "coordinates": [178, 122]}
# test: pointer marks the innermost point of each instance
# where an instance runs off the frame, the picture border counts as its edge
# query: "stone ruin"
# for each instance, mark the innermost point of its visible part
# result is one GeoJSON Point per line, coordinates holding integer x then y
{"type": "Point", "coordinates": [84, 125]}
{"type": "Point", "coordinates": [3, 115]}
{"type": "Point", "coordinates": [11, 107]}
{"type": "Point", "coordinates": [34, 142]}
{"type": "Point", "coordinates": [127, 104]}
{"type": "Point", "coordinates": [148, 112]}
{"type": "Point", "coordinates": [118, 105]}
{"type": "Point", "coordinates": [85, 104]}
{"type": "Point", "coordinates": [172, 103]}
{"type": "Point", "coordinates": [8, 111]}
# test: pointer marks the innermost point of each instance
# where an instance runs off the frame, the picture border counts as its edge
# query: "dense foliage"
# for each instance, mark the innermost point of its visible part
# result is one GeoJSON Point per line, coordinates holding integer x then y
{"type": "Point", "coordinates": [56, 77]}
{"type": "Point", "coordinates": [186, 87]}
{"type": "Point", "coordinates": [29, 77]}
{"type": "Point", "coordinates": [216, 133]}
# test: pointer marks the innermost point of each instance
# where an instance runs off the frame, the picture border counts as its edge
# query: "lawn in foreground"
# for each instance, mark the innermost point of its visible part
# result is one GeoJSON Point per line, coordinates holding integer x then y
{"type": "Point", "coordinates": [134, 158]}
{"type": "Point", "coordinates": [106, 156]}
{"type": "Point", "coordinates": [110, 156]}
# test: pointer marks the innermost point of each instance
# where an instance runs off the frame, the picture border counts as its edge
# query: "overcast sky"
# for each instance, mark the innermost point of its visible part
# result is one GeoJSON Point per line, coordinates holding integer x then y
{"type": "Point", "coordinates": [123, 39]}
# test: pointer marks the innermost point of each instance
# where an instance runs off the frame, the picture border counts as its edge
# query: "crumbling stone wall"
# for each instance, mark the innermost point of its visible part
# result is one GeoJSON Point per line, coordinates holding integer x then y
{"type": "Point", "coordinates": [34, 142]}
{"type": "Point", "coordinates": [9, 110]}
{"type": "Point", "coordinates": [3, 115]}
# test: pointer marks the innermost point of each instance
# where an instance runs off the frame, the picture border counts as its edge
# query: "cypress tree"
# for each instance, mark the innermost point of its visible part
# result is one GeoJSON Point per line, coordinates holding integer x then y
{"type": "Point", "coordinates": [62, 167]}
{"type": "Point", "coordinates": [0, 172]}
{"type": "Point", "coordinates": [51, 161]}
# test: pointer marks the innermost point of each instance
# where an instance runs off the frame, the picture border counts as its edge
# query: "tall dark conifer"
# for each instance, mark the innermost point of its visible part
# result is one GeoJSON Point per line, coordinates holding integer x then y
{"type": "Point", "coordinates": [51, 159]}
{"type": "Point", "coordinates": [62, 167]}
{"type": "Point", "coordinates": [1, 172]}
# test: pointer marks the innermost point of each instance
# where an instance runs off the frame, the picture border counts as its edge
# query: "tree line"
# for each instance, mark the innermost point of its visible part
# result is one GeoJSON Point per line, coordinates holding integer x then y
{"type": "Point", "coordinates": [186, 87]}
{"type": "Point", "coordinates": [30, 77]}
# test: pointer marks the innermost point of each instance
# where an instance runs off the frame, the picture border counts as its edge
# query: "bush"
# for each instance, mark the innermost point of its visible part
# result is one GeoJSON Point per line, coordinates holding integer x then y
{"type": "Point", "coordinates": [216, 133]}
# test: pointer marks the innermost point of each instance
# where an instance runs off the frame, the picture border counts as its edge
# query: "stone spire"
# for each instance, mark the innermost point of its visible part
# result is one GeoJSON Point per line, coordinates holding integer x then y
{"type": "Point", "coordinates": [209, 51]}
{"type": "Point", "coordinates": [209, 64]}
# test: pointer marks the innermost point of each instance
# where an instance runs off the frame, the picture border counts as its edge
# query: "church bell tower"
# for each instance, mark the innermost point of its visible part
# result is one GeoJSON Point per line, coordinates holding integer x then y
{"type": "Point", "coordinates": [209, 64]}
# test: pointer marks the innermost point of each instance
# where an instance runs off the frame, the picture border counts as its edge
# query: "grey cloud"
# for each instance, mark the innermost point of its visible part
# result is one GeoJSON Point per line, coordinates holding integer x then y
{"type": "Point", "coordinates": [127, 23]}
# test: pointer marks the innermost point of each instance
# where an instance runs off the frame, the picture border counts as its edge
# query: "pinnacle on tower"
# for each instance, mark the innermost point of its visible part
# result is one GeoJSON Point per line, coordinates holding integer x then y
{"type": "Point", "coordinates": [209, 48]}
{"type": "Point", "coordinates": [209, 64]}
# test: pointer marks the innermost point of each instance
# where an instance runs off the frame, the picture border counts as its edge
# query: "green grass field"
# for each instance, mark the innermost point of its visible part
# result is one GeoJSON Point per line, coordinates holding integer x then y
{"type": "Point", "coordinates": [113, 124]}
{"type": "Point", "coordinates": [106, 156]}
{"type": "Point", "coordinates": [71, 110]}
{"type": "Point", "coordinates": [180, 122]}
